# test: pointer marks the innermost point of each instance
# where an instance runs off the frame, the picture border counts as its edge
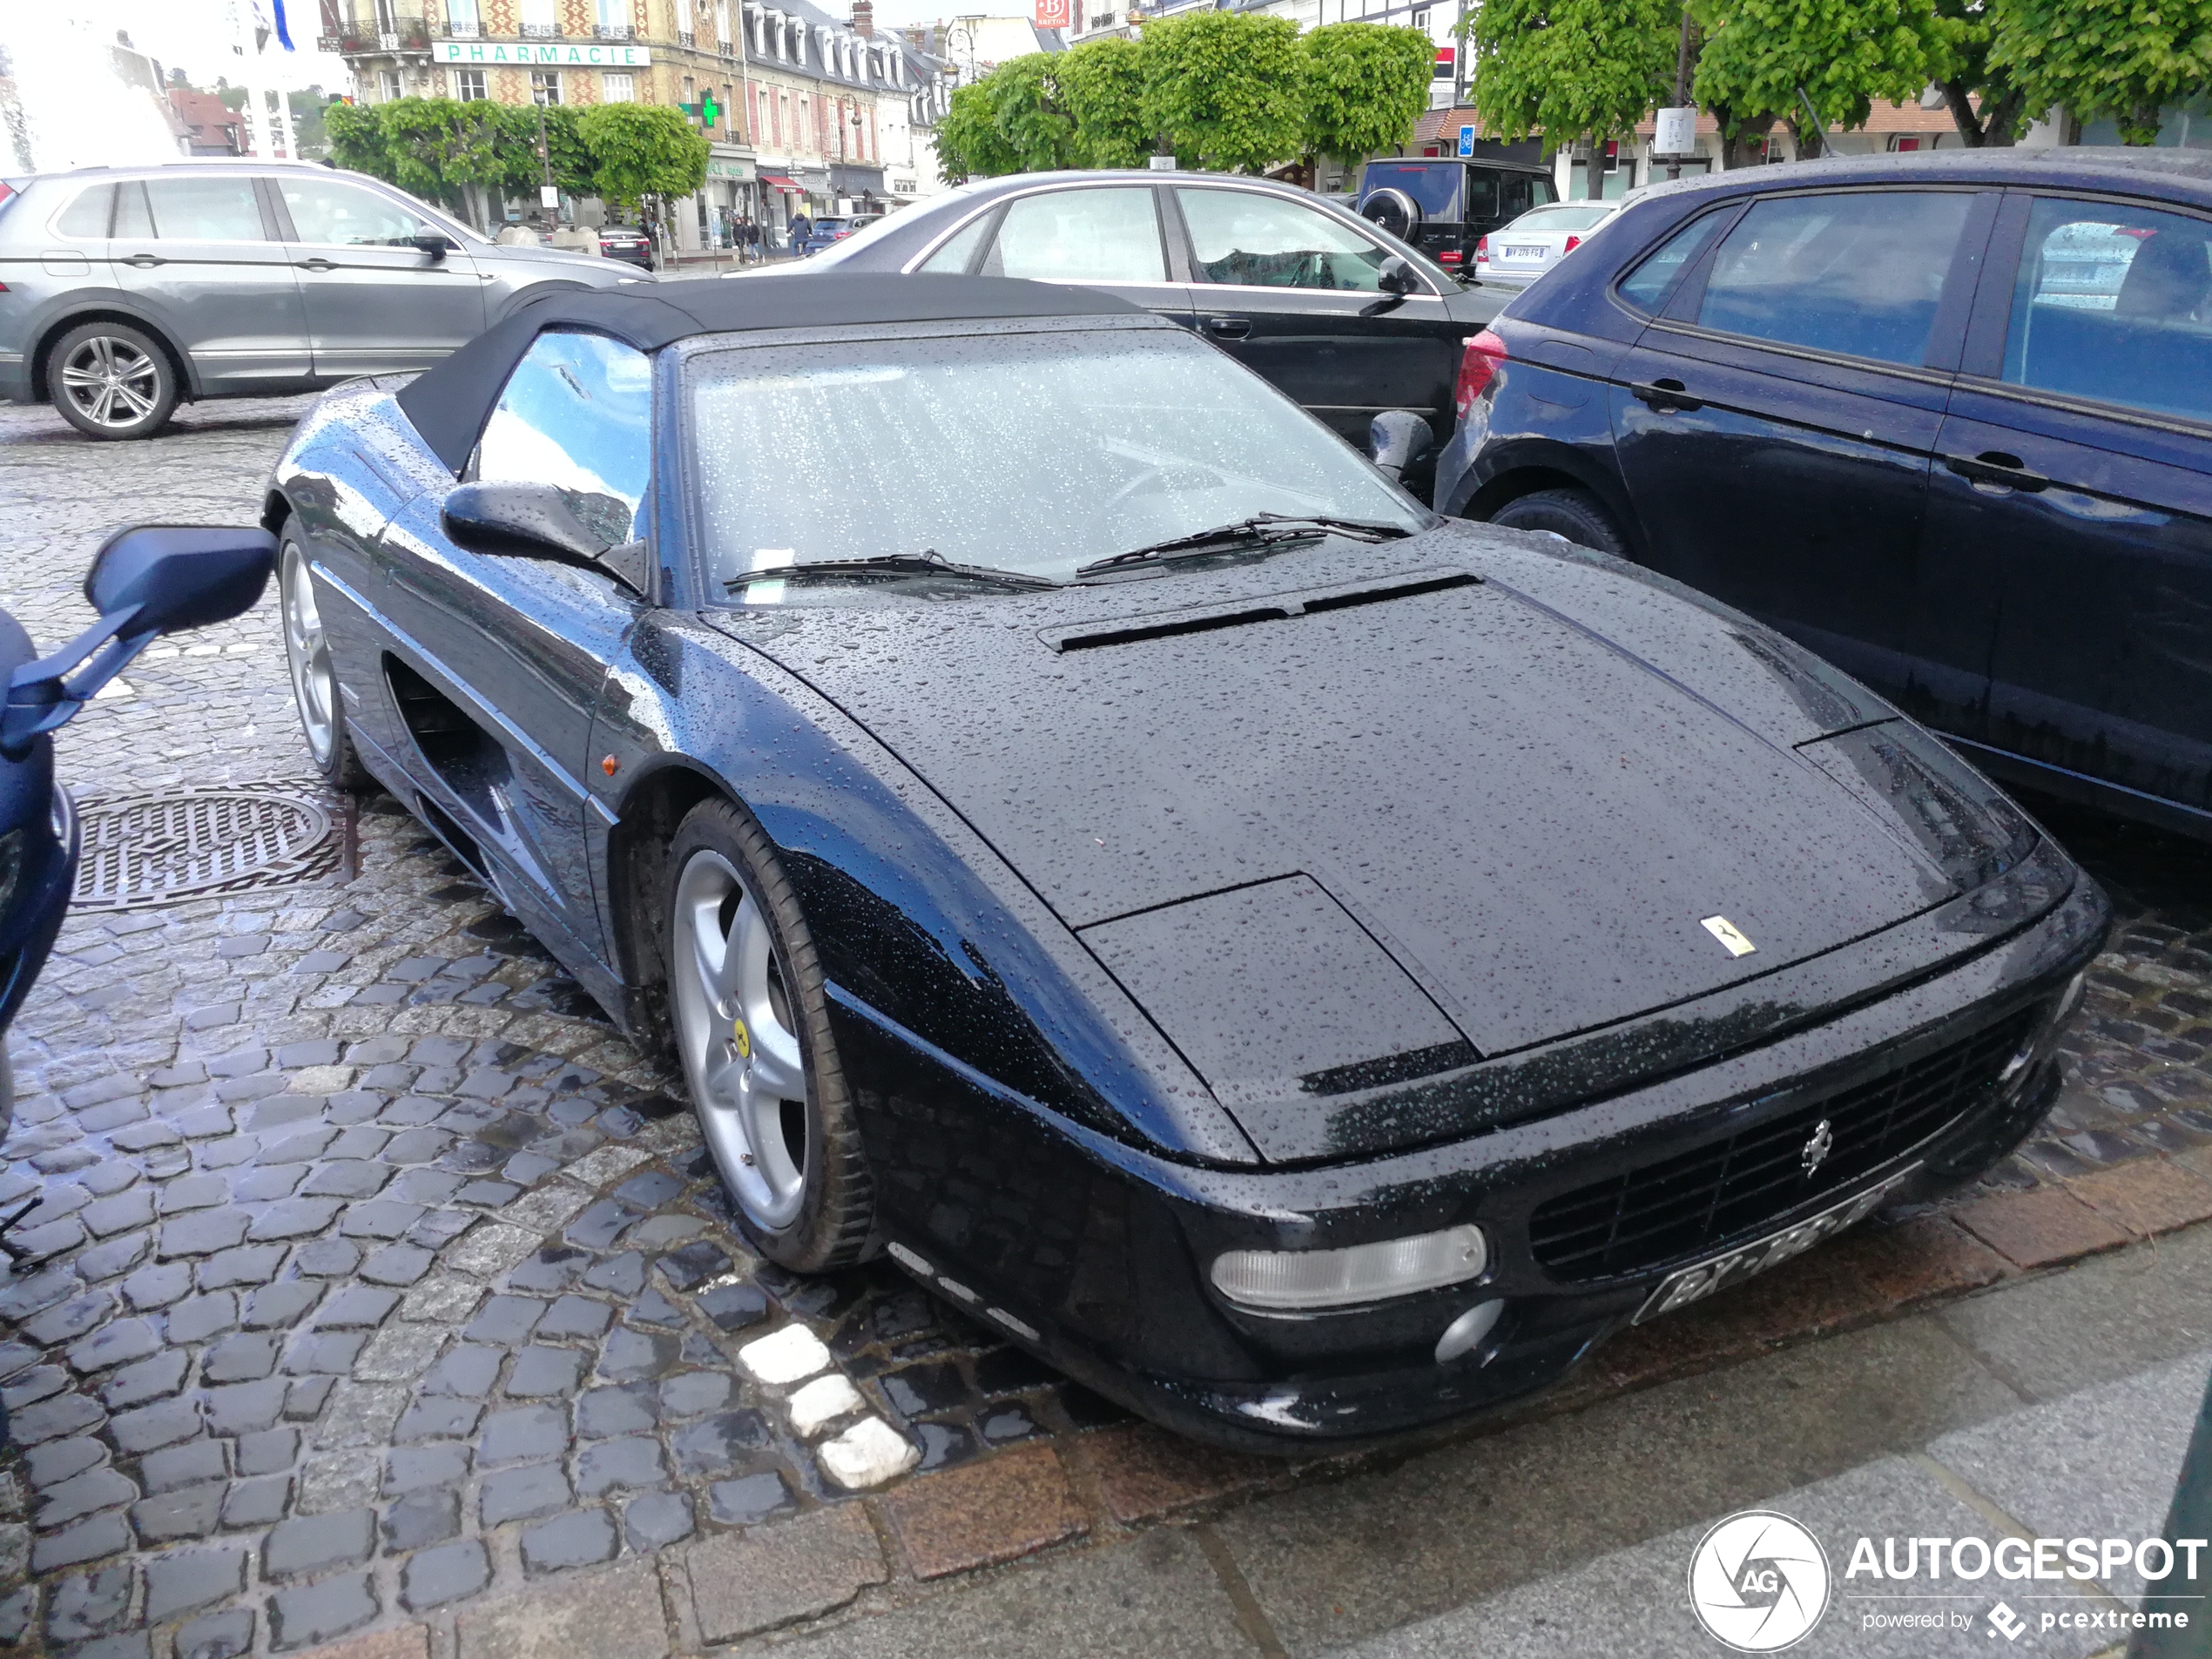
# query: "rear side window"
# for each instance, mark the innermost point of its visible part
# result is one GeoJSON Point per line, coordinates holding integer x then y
{"type": "Point", "coordinates": [2115, 304]}
{"type": "Point", "coordinates": [1858, 273]}
{"type": "Point", "coordinates": [577, 413]}
{"type": "Point", "coordinates": [1481, 196]}
{"type": "Point", "coordinates": [205, 210]}
{"type": "Point", "coordinates": [1649, 285]}
{"type": "Point", "coordinates": [1080, 236]}
{"type": "Point", "coordinates": [88, 214]}
{"type": "Point", "coordinates": [956, 255]}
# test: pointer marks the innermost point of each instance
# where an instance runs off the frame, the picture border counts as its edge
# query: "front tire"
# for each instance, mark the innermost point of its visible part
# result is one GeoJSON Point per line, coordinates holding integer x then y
{"type": "Point", "coordinates": [1574, 514]}
{"type": "Point", "coordinates": [315, 681]}
{"type": "Point", "coordinates": [109, 380]}
{"type": "Point", "coordinates": [753, 1033]}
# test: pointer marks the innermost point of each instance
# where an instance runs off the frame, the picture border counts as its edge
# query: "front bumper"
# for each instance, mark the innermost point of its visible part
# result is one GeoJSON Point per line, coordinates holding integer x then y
{"type": "Point", "coordinates": [1093, 1253]}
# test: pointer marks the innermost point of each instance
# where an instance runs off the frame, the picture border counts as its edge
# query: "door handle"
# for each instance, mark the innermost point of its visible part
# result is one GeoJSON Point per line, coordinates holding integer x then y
{"type": "Point", "coordinates": [145, 261]}
{"type": "Point", "coordinates": [1995, 467]}
{"type": "Point", "coordinates": [317, 264]}
{"type": "Point", "coordinates": [1229, 327]}
{"type": "Point", "coordinates": [1664, 396]}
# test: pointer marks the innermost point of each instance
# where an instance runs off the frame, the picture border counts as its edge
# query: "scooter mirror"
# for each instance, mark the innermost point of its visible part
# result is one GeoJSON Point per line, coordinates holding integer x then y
{"type": "Point", "coordinates": [174, 577]}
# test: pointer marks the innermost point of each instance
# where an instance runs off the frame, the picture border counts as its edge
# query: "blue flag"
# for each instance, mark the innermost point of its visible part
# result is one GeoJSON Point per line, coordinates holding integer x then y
{"type": "Point", "coordinates": [284, 34]}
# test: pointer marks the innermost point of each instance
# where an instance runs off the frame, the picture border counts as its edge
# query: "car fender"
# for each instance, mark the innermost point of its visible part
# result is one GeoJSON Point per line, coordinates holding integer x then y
{"type": "Point", "coordinates": [1504, 469]}
{"type": "Point", "coordinates": [916, 918]}
{"type": "Point", "coordinates": [65, 311]}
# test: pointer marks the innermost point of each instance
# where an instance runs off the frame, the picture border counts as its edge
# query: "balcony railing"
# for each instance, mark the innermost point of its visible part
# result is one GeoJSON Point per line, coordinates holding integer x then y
{"type": "Point", "coordinates": [540, 31]}
{"type": "Point", "coordinates": [456, 30]}
{"type": "Point", "coordinates": [614, 31]}
{"type": "Point", "coordinates": [406, 35]}
{"type": "Point", "coordinates": [687, 37]}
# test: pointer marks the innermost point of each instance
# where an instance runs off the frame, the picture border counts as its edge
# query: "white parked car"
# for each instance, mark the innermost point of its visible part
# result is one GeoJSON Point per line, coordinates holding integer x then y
{"type": "Point", "coordinates": [1516, 255]}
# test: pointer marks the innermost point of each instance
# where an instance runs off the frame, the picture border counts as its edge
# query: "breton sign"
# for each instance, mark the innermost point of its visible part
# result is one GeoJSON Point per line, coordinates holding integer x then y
{"type": "Point", "coordinates": [545, 54]}
{"type": "Point", "coordinates": [1053, 14]}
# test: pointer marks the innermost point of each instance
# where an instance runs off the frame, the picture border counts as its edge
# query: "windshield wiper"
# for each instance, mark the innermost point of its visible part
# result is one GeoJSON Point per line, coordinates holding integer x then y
{"type": "Point", "coordinates": [929, 561]}
{"type": "Point", "coordinates": [1262, 529]}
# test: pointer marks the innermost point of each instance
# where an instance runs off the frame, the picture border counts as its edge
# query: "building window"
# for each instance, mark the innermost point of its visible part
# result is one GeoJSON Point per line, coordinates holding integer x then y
{"type": "Point", "coordinates": [541, 20]}
{"type": "Point", "coordinates": [469, 85]}
{"type": "Point", "coordinates": [617, 89]}
{"type": "Point", "coordinates": [462, 20]}
{"type": "Point", "coordinates": [545, 86]}
{"type": "Point", "coordinates": [389, 80]}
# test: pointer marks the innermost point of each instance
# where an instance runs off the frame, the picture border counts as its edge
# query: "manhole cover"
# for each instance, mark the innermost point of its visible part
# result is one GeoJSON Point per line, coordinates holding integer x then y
{"type": "Point", "coordinates": [191, 843]}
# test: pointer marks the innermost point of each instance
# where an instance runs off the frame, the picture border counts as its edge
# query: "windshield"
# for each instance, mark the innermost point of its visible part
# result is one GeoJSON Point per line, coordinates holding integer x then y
{"type": "Point", "coordinates": [1567, 216]}
{"type": "Point", "coordinates": [1033, 452]}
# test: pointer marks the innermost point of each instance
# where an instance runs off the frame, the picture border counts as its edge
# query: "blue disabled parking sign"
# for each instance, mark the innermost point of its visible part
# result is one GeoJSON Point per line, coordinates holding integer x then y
{"type": "Point", "coordinates": [1466, 141]}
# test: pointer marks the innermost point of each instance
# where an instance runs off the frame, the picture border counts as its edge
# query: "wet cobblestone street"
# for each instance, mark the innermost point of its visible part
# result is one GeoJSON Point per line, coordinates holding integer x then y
{"type": "Point", "coordinates": [374, 1280]}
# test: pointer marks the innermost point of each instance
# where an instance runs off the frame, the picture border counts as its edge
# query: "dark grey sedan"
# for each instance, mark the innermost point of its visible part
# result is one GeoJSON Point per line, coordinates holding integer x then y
{"type": "Point", "coordinates": [1344, 317]}
{"type": "Point", "coordinates": [125, 291]}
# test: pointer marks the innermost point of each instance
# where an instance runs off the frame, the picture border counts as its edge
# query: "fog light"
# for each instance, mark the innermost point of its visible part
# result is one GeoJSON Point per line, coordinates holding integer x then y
{"type": "Point", "coordinates": [1463, 1333]}
{"type": "Point", "coordinates": [1321, 1279]}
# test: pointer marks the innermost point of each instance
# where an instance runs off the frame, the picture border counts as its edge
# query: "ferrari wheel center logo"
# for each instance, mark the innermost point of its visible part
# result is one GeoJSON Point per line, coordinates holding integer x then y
{"type": "Point", "coordinates": [1759, 1582]}
{"type": "Point", "coordinates": [740, 1038]}
{"type": "Point", "coordinates": [1818, 1149]}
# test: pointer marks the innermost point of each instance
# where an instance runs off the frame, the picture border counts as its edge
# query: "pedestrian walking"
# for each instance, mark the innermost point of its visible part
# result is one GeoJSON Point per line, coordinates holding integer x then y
{"type": "Point", "coordinates": [801, 228]}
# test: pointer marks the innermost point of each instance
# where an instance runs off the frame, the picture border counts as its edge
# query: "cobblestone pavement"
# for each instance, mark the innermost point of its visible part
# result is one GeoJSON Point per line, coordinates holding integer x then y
{"type": "Point", "coordinates": [375, 1279]}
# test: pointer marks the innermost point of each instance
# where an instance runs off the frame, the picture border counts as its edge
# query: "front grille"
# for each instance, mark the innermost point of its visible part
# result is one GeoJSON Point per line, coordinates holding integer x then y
{"type": "Point", "coordinates": [1685, 1204]}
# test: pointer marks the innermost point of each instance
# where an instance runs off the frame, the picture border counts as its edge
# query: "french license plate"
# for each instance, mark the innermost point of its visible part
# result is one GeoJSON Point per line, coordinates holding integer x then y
{"type": "Point", "coordinates": [1689, 1285]}
{"type": "Point", "coordinates": [1524, 252]}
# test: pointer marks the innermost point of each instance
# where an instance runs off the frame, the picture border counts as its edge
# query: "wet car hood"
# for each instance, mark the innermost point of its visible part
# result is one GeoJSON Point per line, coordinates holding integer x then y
{"type": "Point", "coordinates": [1365, 812]}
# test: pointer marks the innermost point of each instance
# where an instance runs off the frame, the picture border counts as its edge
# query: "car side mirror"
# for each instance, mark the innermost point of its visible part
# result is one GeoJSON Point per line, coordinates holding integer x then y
{"type": "Point", "coordinates": [542, 521]}
{"type": "Point", "coordinates": [146, 580]}
{"type": "Point", "coordinates": [1398, 439]}
{"type": "Point", "coordinates": [162, 578]}
{"type": "Point", "coordinates": [1394, 275]}
{"type": "Point", "coordinates": [433, 243]}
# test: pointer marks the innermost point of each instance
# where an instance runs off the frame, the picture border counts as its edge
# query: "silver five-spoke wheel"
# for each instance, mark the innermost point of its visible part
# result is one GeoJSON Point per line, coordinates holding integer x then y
{"type": "Point", "coordinates": [734, 1032]}
{"type": "Point", "coordinates": [111, 381]}
{"type": "Point", "coordinates": [314, 688]}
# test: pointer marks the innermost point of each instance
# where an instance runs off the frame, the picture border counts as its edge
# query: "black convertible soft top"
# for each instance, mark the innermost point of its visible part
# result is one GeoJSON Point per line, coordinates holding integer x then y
{"type": "Point", "coordinates": [450, 403]}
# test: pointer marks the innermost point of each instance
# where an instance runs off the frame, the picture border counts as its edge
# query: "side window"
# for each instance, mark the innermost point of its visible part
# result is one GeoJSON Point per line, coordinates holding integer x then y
{"type": "Point", "coordinates": [577, 415]}
{"type": "Point", "coordinates": [1110, 235]}
{"type": "Point", "coordinates": [1858, 272]}
{"type": "Point", "coordinates": [334, 213]}
{"type": "Point", "coordinates": [132, 217]}
{"type": "Point", "coordinates": [1652, 283]}
{"type": "Point", "coordinates": [188, 209]}
{"type": "Point", "coordinates": [88, 215]}
{"type": "Point", "coordinates": [2115, 303]}
{"type": "Point", "coordinates": [1243, 237]}
{"type": "Point", "coordinates": [956, 255]}
{"type": "Point", "coordinates": [1481, 195]}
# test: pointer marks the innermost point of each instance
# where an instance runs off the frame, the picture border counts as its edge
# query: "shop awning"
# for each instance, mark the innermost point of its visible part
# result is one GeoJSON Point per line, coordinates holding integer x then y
{"type": "Point", "coordinates": [779, 182]}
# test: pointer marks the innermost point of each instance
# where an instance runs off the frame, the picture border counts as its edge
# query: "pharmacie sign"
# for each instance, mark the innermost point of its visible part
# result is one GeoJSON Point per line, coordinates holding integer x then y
{"type": "Point", "coordinates": [542, 53]}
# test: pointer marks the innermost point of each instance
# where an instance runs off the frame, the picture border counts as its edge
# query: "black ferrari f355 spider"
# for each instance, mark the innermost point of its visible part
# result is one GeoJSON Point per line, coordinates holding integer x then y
{"type": "Point", "coordinates": [1301, 965]}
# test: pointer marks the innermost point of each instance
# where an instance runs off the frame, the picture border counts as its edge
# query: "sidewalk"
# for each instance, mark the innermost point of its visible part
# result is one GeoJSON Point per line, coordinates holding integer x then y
{"type": "Point", "coordinates": [2055, 1405]}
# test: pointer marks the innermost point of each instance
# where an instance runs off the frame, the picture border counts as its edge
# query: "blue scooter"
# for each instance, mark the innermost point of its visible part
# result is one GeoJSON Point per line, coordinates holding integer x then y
{"type": "Point", "coordinates": [146, 580]}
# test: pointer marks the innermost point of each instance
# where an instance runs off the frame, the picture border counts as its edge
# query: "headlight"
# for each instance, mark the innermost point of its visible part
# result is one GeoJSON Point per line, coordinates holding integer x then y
{"type": "Point", "coordinates": [1323, 1278]}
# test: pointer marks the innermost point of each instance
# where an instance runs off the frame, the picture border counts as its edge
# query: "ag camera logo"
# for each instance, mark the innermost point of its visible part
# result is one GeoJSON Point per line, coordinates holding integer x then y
{"type": "Point", "coordinates": [1759, 1582]}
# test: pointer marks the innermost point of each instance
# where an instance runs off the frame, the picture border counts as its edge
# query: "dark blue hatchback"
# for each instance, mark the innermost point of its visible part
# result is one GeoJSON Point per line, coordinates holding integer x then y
{"type": "Point", "coordinates": [1944, 418]}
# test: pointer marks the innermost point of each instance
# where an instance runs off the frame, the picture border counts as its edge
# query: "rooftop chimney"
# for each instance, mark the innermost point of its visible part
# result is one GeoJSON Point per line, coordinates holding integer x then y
{"type": "Point", "coordinates": [864, 18]}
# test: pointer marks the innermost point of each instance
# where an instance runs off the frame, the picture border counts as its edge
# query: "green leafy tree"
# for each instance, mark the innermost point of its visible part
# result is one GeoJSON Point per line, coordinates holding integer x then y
{"type": "Point", "coordinates": [642, 153]}
{"type": "Point", "coordinates": [357, 141]}
{"type": "Point", "coordinates": [1571, 69]}
{"type": "Point", "coordinates": [440, 149]}
{"type": "Point", "coordinates": [308, 122]}
{"type": "Point", "coordinates": [1843, 53]}
{"type": "Point", "coordinates": [1101, 82]}
{"type": "Point", "coordinates": [523, 173]}
{"type": "Point", "coordinates": [969, 145]}
{"type": "Point", "coordinates": [1366, 85]}
{"type": "Point", "coordinates": [1987, 105]}
{"type": "Point", "coordinates": [2122, 58]}
{"type": "Point", "coordinates": [1223, 89]}
{"type": "Point", "coordinates": [1027, 111]}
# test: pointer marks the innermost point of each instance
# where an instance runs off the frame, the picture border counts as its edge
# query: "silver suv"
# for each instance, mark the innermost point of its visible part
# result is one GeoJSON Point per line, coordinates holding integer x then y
{"type": "Point", "coordinates": [124, 290]}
